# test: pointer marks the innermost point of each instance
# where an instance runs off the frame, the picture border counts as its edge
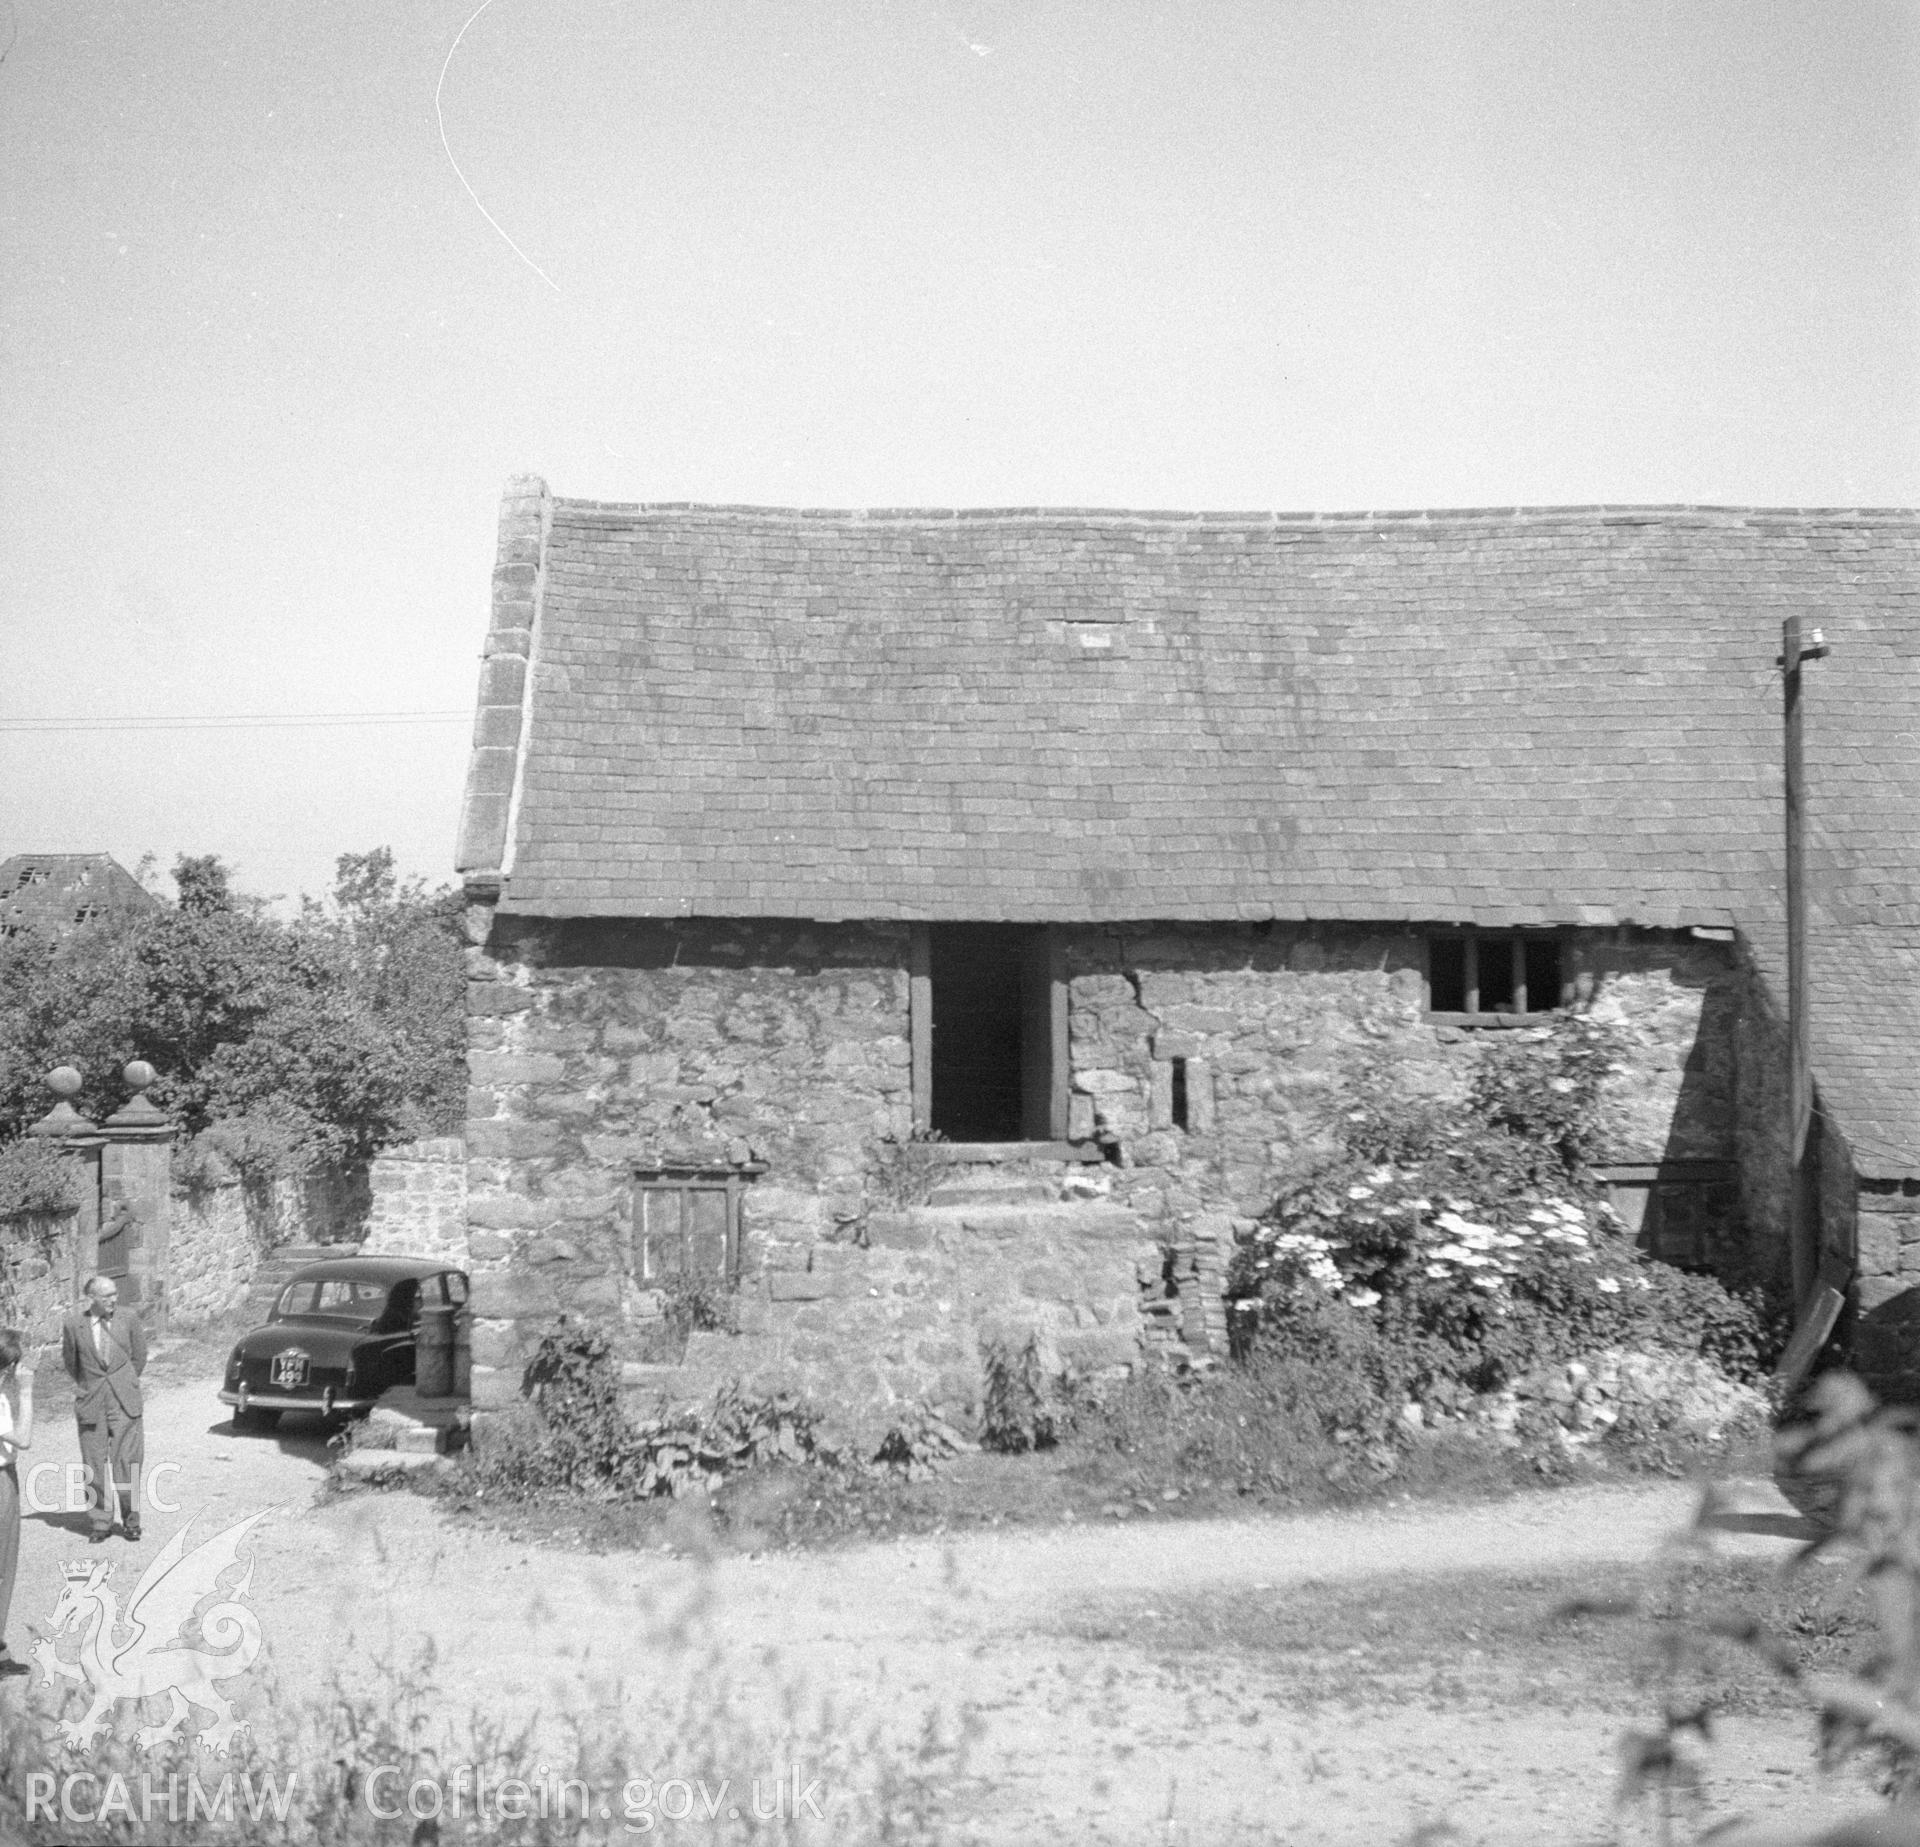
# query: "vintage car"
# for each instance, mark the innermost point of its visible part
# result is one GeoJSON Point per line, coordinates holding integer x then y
{"type": "Point", "coordinates": [341, 1332]}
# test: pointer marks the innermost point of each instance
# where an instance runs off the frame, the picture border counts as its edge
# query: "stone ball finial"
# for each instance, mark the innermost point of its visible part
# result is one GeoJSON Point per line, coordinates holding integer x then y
{"type": "Point", "coordinates": [139, 1074]}
{"type": "Point", "coordinates": [64, 1081]}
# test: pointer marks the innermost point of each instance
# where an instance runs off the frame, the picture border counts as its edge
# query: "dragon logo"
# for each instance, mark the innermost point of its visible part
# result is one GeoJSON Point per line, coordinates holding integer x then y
{"type": "Point", "coordinates": [158, 1661]}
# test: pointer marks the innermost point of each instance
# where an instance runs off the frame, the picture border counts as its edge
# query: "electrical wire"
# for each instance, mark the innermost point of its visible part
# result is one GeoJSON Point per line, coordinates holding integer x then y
{"type": "Point", "coordinates": [231, 721]}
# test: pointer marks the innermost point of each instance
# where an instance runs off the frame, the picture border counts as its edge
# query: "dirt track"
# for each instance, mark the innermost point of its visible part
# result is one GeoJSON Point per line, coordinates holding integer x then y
{"type": "Point", "coordinates": [1074, 1739]}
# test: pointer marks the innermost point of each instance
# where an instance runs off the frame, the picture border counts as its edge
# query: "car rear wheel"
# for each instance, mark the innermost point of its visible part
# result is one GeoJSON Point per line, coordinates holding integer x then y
{"type": "Point", "coordinates": [255, 1419]}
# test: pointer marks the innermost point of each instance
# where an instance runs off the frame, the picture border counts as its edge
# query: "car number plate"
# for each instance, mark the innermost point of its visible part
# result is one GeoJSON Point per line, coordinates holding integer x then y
{"type": "Point", "coordinates": [290, 1368]}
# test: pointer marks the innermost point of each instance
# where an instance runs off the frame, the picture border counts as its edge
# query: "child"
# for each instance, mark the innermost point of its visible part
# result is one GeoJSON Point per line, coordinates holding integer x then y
{"type": "Point", "coordinates": [16, 1434]}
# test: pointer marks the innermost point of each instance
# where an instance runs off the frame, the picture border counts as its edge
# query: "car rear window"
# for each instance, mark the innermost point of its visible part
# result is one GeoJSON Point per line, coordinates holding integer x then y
{"type": "Point", "coordinates": [336, 1296]}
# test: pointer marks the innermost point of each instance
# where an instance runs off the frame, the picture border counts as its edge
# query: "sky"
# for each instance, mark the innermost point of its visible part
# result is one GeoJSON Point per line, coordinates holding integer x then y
{"type": "Point", "coordinates": [287, 292]}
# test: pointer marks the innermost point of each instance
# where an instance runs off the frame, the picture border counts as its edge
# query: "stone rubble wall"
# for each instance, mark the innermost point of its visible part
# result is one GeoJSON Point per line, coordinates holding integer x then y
{"type": "Point", "coordinates": [1764, 1153]}
{"type": "Point", "coordinates": [39, 1272]}
{"type": "Point", "coordinates": [219, 1235]}
{"type": "Point", "coordinates": [782, 1049]}
{"type": "Point", "coordinates": [1269, 1020]}
{"type": "Point", "coordinates": [596, 1047]}
{"type": "Point", "coordinates": [419, 1201]}
{"type": "Point", "coordinates": [222, 1227]}
{"type": "Point", "coordinates": [1760, 1129]}
{"type": "Point", "coordinates": [908, 1318]}
{"type": "Point", "coordinates": [1885, 1337]}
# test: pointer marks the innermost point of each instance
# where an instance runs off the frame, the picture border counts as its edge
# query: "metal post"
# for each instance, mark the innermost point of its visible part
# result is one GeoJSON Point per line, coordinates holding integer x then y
{"type": "Point", "coordinates": [1802, 1226]}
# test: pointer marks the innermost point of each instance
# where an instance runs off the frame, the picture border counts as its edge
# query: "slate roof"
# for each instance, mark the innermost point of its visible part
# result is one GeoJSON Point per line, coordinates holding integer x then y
{"type": "Point", "coordinates": [58, 892]}
{"type": "Point", "coordinates": [1527, 716]}
{"type": "Point", "coordinates": [1864, 980]}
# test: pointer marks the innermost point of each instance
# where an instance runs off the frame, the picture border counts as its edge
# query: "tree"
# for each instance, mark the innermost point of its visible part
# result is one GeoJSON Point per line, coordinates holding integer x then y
{"type": "Point", "coordinates": [330, 1036]}
{"type": "Point", "coordinates": [205, 884]}
{"type": "Point", "coordinates": [403, 946]}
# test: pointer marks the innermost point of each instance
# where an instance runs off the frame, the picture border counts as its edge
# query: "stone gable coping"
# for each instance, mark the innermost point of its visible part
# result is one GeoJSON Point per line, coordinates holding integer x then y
{"type": "Point", "coordinates": [484, 851]}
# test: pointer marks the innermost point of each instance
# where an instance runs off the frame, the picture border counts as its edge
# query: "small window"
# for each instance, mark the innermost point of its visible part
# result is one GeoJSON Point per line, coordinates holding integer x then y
{"type": "Point", "coordinates": [1180, 1105]}
{"type": "Point", "coordinates": [1487, 977]}
{"type": "Point", "coordinates": [686, 1222]}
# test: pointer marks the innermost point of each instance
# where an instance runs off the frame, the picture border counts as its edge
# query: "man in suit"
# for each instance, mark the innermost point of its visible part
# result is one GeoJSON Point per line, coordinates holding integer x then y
{"type": "Point", "coordinates": [105, 1350]}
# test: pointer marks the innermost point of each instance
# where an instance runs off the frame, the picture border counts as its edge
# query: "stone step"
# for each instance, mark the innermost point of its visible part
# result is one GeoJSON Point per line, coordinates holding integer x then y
{"type": "Point", "coordinates": [365, 1465]}
{"type": "Point", "coordinates": [273, 1272]}
{"type": "Point", "coordinates": [495, 1388]}
{"type": "Point", "coordinates": [637, 1376]}
{"type": "Point", "coordinates": [1027, 1154]}
{"type": "Point", "coordinates": [293, 1256]}
{"type": "Point", "coordinates": [1086, 1217]}
{"type": "Point", "coordinates": [978, 1190]}
{"type": "Point", "coordinates": [414, 1425]}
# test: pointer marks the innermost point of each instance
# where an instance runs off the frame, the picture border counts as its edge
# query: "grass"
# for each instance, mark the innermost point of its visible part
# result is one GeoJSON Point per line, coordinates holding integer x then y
{"type": "Point", "coordinates": [1310, 1423]}
{"type": "Point", "coordinates": [1087, 1479]}
{"type": "Point", "coordinates": [680, 1711]}
{"type": "Point", "coordinates": [1501, 1640]}
{"type": "Point", "coordinates": [811, 1506]}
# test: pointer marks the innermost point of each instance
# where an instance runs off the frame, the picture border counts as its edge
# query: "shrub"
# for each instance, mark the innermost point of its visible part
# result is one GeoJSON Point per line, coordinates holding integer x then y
{"type": "Point", "coordinates": [1473, 1234]}
{"type": "Point", "coordinates": [573, 1385]}
{"type": "Point", "coordinates": [1313, 1407]}
{"type": "Point", "coordinates": [918, 1444]}
{"type": "Point", "coordinates": [697, 1304]}
{"type": "Point", "coordinates": [904, 1173]}
{"type": "Point", "coordinates": [576, 1438]}
{"type": "Point", "coordinates": [35, 1179]}
{"type": "Point", "coordinates": [1020, 1409]}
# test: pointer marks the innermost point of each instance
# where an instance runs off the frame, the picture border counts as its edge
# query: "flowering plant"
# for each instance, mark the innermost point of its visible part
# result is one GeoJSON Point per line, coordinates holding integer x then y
{"type": "Point", "coordinates": [1473, 1233]}
{"type": "Point", "coordinates": [1381, 1234]}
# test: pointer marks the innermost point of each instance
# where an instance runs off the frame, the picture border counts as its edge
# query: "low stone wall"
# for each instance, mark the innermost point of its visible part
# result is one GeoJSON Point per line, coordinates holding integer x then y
{"type": "Point", "coordinates": [419, 1200]}
{"type": "Point", "coordinates": [39, 1276]}
{"type": "Point", "coordinates": [218, 1238]}
{"type": "Point", "coordinates": [223, 1227]}
{"type": "Point", "coordinates": [907, 1319]}
{"type": "Point", "coordinates": [1886, 1334]}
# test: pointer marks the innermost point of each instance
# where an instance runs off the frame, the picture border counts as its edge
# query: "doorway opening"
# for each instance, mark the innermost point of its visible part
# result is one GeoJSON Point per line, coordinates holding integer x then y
{"type": "Point", "coordinates": [998, 1032]}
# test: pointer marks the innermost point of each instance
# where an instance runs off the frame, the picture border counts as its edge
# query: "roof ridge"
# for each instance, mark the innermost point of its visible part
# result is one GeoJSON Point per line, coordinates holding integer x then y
{"type": "Point", "coordinates": [1604, 510]}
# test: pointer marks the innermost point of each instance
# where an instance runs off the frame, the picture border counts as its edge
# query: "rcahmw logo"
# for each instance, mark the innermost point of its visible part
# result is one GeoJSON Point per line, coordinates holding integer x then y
{"type": "Point", "coordinates": [154, 1661]}
{"type": "Point", "coordinates": [84, 1797]}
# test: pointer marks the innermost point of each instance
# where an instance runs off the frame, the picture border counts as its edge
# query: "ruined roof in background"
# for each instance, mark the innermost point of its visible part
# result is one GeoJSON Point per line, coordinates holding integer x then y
{"type": "Point", "coordinates": [1531, 716]}
{"type": "Point", "coordinates": [57, 892]}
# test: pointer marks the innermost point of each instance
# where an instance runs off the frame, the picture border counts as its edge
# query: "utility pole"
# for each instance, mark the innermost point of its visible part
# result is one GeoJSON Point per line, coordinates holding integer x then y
{"type": "Point", "coordinates": [1802, 1226]}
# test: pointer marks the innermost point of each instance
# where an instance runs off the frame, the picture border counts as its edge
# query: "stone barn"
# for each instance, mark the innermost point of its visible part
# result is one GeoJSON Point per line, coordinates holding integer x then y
{"type": "Point", "coordinates": [895, 931]}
